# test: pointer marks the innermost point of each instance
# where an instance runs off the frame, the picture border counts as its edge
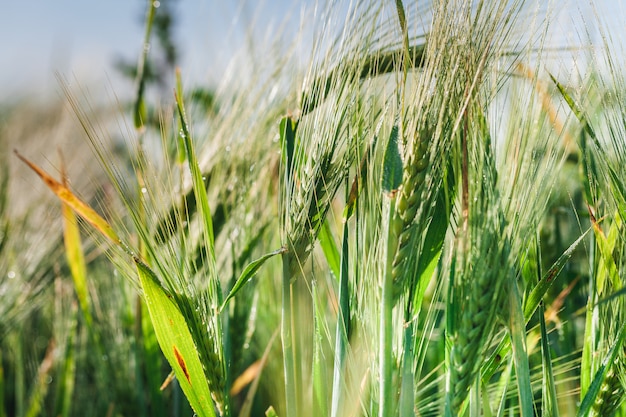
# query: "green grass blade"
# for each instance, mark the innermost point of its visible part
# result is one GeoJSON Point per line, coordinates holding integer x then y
{"type": "Point", "coordinates": [329, 247]}
{"type": "Point", "coordinates": [2, 388]}
{"type": "Point", "coordinates": [248, 273]}
{"type": "Point", "coordinates": [517, 330]}
{"type": "Point", "coordinates": [202, 199]}
{"type": "Point", "coordinates": [152, 361]}
{"type": "Point", "coordinates": [75, 256]}
{"type": "Point", "coordinates": [548, 278]}
{"type": "Point", "coordinates": [176, 342]}
{"type": "Point", "coordinates": [600, 375]}
{"type": "Point", "coordinates": [406, 405]}
{"type": "Point", "coordinates": [321, 392]}
{"type": "Point", "coordinates": [385, 343]}
{"type": "Point", "coordinates": [607, 269]}
{"type": "Point", "coordinates": [270, 412]}
{"type": "Point", "coordinates": [139, 109]}
{"type": "Point", "coordinates": [288, 128]}
{"type": "Point", "coordinates": [550, 401]}
{"type": "Point", "coordinates": [531, 305]}
{"type": "Point", "coordinates": [392, 164]}
{"type": "Point", "coordinates": [66, 377]}
{"type": "Point", "coordinates": [343, 326]}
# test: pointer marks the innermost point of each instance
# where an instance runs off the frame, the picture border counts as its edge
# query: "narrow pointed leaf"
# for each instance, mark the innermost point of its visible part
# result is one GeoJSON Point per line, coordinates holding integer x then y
{"type": "Point", "coordinates": [600, 375]}
{"type": "Point", "coordinates": [517, 329]}
{"type": "Point", "coordinates": [75, 255]}
{"type": "Point", "coordinates": [550, 400]}
{"type": "Point", "coordinates": [248, 273]}
{"type": "Point", "coordinates": [536, 295]}
{"type": "Point", "coordinates": [531, 305]}
{"type": "Point", "coordinates": [199, 190]}
{"type": "Point", "coordinates": [329, 247]}
{"type": "Point", "coordinates": [176, 342]}
{"type": "Point", "coordinates": [392, 164]}
{"type": "Point", "coordinates": [69, 198]}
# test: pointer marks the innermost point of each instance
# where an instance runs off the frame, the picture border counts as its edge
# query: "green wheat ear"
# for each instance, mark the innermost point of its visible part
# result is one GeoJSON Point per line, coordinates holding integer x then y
{"type": "Point", "coordinates": [407, 206]}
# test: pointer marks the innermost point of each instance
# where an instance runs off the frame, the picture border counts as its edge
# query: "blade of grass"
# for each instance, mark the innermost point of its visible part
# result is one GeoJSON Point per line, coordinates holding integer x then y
{"type": "Point", "coordinates": [391, 180]}
{"type": "Point", "coordinates": [548, 388]}
{"type": "Point", "coordinates": [139, 110]}
{"type": "Point", "coordinates": [75, 255]}
{"type": "Point", "coordinates": [343, 327]}
{"type": "Point", "coordinates": [248, 273]}
{"type": "Point", "coordinates": [270, 412]}
{"type": "Point", "coordinates": [531, 304]}
{"type": "Point", "coordinates": [199, 190]}
{"type": "Point", "coordinates": [329, 247]}
{"type": "Point", "coordinates": [320, 384]}
{"type": "Point", "coordinates": [66, 377]}
{"type": "Point", "coordinates": [67, 197]}
{"type": "Point", "coordinates": [176, 342]}
{"type": "Point", "coordinates": [600, 375]}
{"type": "Point", "coordinates": [406, 407]}
{"type": "Point", "coordinates": [517, 331]}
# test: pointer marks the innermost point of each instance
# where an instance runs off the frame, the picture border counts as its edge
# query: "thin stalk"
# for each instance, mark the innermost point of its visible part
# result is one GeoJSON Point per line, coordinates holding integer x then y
{"type": "Point", "coordinates": [287, 339]}
{"type": "Point", "coordinates": [406, 406]}
{"type": "Point", "coordinates": [343, 325]}
{"type": "Point", "coordinates": [386, 326]}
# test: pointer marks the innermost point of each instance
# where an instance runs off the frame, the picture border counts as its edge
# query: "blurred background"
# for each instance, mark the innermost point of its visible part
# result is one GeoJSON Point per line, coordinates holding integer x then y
{"type": "Point", "coordinates": [88, 40]}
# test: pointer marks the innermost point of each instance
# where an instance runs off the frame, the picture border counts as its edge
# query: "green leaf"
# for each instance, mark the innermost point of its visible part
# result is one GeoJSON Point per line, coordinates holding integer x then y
{"type": "Point", "coordinates": [320, 384]}
{"type": "Point", "coordinates": [596, 384]}
{"type": "Point", "coordinates": [76, 260]}
{"type": "Point", "coordinates": [392, 163]}
{"type": "Point", "coordinates": [607, 267]}
{"type": "Point", "coordinates": [67, 374]}
{"type": "Point", "coordinates": [176, 342]}
{"type": "Point", "coordinates": [343, 327]}
{"type": "Point", "coordinates": [248, 273]}
{"type": "Point", "coordinates": [536, 295]}
{"type": "Point", "coordinates": [270, 412]}
{"type": "Point", "coordinates": [550, 401]}
{"type": "Point", "coordinates": [329, 247]}
{"type": "Point", "coordinates": [139, 108]}
{"type": "Point", "coordinates": [288, 128]}
{"type": "Point", "coordinates": [517, 331]}
{"type": "Point", "coordinates": [531, 305]}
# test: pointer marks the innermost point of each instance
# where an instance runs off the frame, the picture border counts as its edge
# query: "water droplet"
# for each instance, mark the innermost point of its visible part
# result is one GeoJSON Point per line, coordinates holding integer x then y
{"type": "Point", "coordinates": [252, 167]}
{"type": "Point", "coordinates": [11, 274]}
{"type": "Point", "coordinates": [146, 47]}
{"type": "Point", "coordinates": [144, 190]}
{"type": "Point", "coordinates": [48, 380]}
{"type": "Point", "coordinates": [203, 178]}
{"type": "Point", "coordinates": [156, 4]}
{"type": "Point", "coordinates": [228, 148]}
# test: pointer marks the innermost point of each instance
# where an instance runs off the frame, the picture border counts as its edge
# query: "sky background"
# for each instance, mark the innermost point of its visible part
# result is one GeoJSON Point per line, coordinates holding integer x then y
{"type": "Point", "coordinates": [81, 39]}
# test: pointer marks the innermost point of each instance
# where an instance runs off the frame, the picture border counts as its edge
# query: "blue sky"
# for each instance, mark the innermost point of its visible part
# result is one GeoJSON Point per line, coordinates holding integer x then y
{"type": "Point", "coordinates": [82, 38]}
